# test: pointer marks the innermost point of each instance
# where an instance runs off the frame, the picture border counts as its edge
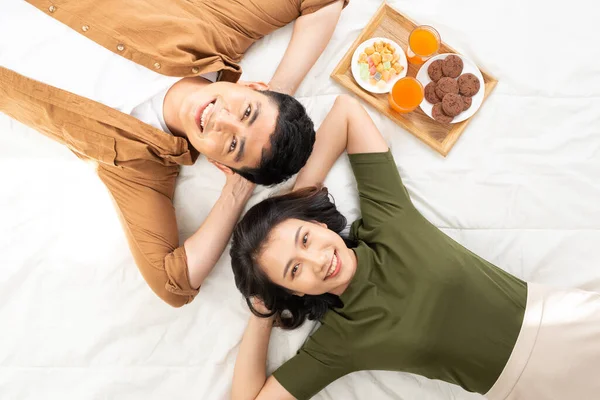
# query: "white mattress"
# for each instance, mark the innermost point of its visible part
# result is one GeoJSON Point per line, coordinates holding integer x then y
{"type": "Point", "coordinates": [521, 188]}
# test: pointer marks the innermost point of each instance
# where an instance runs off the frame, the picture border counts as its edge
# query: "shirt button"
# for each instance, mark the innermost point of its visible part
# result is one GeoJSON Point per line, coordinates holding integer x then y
{"type": "Point", "coordinates": [120, 47]}
{"type": "Point", "coordinates": [195, 70]}
{"type": "Point", "coordinates": [85, 28]}
{"type": "Point", "coordinates": [156, 66]}
{"type": "Point", "coordinates": [52, 9]}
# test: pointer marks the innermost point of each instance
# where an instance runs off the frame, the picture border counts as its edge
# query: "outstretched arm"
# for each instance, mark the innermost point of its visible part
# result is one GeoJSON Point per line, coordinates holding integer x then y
{"type": "Point", "coordinates": [309, 38]}
{"type": "Point", "coordinates": [346, 127]}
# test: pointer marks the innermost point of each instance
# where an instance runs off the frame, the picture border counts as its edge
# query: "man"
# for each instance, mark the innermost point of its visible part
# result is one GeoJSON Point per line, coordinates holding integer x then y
{"type": "Point", "coordinates": [139, 136]}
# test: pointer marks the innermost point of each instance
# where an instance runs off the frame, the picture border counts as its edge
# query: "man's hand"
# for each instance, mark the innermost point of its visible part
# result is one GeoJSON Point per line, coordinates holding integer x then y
{"type": "Point", "coordinates": [240, 188]}
{"type": "Point", "coordinates": [204, 248]}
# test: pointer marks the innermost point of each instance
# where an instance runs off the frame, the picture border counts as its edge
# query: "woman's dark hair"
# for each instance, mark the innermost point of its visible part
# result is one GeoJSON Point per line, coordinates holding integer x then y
{"type": "Point", "coordinates": [291, 143]}
{"type": "Point", "coordinates": [250, 238]}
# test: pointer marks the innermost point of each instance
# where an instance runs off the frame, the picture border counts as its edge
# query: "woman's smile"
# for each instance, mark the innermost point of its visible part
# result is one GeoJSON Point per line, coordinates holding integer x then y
{"type": "Point", "coordinates": [334, 267]}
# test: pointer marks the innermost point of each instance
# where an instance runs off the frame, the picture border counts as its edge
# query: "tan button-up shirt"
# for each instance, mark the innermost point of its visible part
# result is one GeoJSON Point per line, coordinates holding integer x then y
{"type": "Point", "coordinates": [138, 163]}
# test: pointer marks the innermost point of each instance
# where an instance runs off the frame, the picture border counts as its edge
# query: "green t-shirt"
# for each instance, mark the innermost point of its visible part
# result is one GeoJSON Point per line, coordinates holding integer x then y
{"type": "Point", "coordinates": [419, 301]}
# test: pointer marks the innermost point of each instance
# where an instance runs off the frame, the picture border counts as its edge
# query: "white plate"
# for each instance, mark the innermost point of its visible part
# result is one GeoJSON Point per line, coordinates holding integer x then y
{"type": "Point", "coordinates": [468, 66]}
{"type": "Point", "coordinates": [356, 70]}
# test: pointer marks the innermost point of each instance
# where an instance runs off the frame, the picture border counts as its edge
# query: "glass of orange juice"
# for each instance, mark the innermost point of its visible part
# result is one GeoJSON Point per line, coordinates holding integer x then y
{"type": "Point", "coordinates": [406, 95]}
{"type": "Point", "coordinates": [423, 42]}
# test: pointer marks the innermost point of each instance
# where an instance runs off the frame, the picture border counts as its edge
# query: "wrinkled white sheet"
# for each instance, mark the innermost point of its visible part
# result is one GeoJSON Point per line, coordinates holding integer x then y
{"type": "Point", "coordinates": [521, 188]}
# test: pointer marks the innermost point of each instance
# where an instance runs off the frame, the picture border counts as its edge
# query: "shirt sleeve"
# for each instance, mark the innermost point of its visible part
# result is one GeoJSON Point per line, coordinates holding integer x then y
{"type": "Point", "coordinates": [143, 199]}
{"type": "Point", "coordinates": [317, 364]}
{"type": "Point", "coordinates": [381, 191]}
{"type": "Point", "coordinates": [310, 6]}
{"type": "Point", "coordinates": [148, 218]}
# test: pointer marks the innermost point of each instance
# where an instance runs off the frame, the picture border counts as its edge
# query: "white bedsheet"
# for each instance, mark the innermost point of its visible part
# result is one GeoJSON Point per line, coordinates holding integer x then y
{"type": "Point", "coordinates": [521, 188]}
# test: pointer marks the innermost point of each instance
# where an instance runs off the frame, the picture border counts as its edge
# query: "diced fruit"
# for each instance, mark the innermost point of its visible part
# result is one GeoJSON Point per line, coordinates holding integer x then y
{"type": "Point", "coordinates": [395, 57]}
{"type": "Point", "coordinates": [372, 70]}
{"type": "Point", "coordinates": [362, 57]}
{"type": "Point", "coordinates": [376, 57]}
{"type": "Point", "coordinates": [364, 71]}
{"type": "Point", "coordinates": [386, 75]}
{"type": "Point", "coordinates": [379, 68]}
{"type": "Point", "coordinates": [387, 65]}
{"type": "Point", "coordinates": [369, 50]}
{"type": "Point", "coordinates": [385, 57]}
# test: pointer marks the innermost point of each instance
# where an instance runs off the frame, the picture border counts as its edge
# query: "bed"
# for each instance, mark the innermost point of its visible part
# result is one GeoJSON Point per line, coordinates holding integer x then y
{"type": "Point", "coordinates": [520, 188]}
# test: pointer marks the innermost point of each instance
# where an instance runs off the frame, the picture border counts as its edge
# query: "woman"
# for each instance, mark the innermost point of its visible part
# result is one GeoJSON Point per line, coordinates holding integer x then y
{"type": "Point", "coordinates": [399, 294]}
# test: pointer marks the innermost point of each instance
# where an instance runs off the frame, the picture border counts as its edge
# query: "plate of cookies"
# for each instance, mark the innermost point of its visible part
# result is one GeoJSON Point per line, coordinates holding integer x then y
{"type": "Point", "coordinates": [377, 64]}
{"type": "Point", "coordinates": [453, 88]}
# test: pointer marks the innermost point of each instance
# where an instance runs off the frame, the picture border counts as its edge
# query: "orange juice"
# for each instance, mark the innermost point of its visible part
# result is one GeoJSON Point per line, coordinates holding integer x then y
{"type": "Point", "coordinates": [423, 42]}
{"type": "Point", "coordinates": [406, 95]}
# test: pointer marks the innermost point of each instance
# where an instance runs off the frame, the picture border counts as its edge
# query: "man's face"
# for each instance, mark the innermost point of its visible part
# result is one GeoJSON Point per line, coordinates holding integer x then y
{"type": "Point", "coordinates": [230, 123]}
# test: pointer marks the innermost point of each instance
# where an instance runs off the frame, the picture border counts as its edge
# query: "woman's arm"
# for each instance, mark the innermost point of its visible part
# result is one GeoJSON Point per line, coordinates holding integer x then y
{"type": "Point", "coordinates": [249, 376]}
{"type": "Point", "coordinates": [346, 127]}
{"type": "Point", "coordinates": [309, 38]}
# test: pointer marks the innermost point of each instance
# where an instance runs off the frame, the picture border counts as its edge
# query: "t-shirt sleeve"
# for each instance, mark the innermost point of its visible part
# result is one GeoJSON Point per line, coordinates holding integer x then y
{"type": "Point", "coordinates": [315, 366]}
{"type": "Point", "coordinates": [381, 191]}
{"type": "Point", "coordinates": [310, 6]}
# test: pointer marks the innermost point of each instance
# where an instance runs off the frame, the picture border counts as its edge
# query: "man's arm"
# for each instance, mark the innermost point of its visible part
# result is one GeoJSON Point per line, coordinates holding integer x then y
{"type": "Point", "coordinates": [346, 127]}
{"type": "Point", "coordinates": [309, 38]}
{"type": "Point", "coordinates": [204, 248]}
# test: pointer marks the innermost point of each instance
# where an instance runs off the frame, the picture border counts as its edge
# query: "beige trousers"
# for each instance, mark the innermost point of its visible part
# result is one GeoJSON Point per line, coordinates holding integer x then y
{"type": "Point", "coordinates": [557, 353]}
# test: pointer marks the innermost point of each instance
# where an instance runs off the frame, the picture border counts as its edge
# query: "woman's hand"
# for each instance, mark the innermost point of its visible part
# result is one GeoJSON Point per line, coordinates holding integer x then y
{"type": "Point", "coordinates": [259, 306]}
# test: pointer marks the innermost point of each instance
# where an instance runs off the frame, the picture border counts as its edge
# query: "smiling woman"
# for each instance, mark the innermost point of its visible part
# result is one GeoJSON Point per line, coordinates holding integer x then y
{"type": "Point", "coordinates": [403, 297]}
{"type": "Point", "coordinates": [298, 270]}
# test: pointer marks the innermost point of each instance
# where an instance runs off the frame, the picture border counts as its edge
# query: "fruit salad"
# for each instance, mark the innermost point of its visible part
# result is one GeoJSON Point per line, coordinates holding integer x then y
{"type": "Point", "coordinates": [378, 64]}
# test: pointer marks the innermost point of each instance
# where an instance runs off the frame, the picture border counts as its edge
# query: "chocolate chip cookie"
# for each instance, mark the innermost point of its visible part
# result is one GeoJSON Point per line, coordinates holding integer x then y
{"type": "Point", "coordinates": [435, 70]}
{"type": "Point", "coordinates": [430, 95]}
{"type": "Point", "coordinates": [438, 114]}
{"type": "Point", "coordinates": [446, 85]}
{"type": "Point", "coordinates": [452, 104]}
{"type": "Point", "coordinates": [452, 66]}
{"type": "Point", "coordinates": [468, 84]}
{"type": "Point", "coordinates": [467, 101]}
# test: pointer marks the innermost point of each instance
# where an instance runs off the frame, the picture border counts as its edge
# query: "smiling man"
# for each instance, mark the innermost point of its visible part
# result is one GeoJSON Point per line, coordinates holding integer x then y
{"type": "Point", "coordinates": [165, 89]}
{"type": "Point", "coordinates": [262, 135]}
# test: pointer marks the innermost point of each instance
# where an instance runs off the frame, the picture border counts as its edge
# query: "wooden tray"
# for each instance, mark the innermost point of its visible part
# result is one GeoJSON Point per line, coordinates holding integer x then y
{"type": "Point", "coordinates": [388, 22]}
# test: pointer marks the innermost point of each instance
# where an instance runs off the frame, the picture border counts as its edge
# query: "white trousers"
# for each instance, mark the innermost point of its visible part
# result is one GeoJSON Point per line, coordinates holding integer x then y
{"type": "Point", "coordinates": [557, 353]}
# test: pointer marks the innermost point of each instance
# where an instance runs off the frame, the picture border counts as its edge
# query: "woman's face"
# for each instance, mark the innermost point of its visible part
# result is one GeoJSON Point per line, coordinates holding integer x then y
{"type": "Point", "coordinates": [307, 258]}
